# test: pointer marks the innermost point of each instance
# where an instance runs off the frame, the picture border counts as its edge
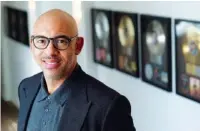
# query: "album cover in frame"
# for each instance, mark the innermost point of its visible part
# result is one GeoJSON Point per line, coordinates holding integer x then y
{"type": "Point", "coordinates": [156, 51]}
{"type": "Point", "coordinates": [17, 25]}
{"type": "Point", "coordinates": [187, 37]}
{"type": "Point", "coordinates": [23, 27]}
{"type": "Point", "coordinates": [125, 39]}
{"type": "Point", "coordinates": [12, 23]}
{"type": "Point", "coordinates": [102, 37]}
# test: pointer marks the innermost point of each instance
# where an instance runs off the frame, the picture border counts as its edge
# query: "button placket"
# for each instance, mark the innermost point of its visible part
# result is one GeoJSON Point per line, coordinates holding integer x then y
{"type": "Point", "coordinates": [48, 102]}
{"type": "Point", "coordinates": [44, 123]}
{"type": "Point", "coordinates": [46, 110]}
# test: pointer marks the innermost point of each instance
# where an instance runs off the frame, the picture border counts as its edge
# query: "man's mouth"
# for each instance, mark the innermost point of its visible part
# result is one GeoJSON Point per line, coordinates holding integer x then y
{"type": "Point", "coordinates": [51, 64]}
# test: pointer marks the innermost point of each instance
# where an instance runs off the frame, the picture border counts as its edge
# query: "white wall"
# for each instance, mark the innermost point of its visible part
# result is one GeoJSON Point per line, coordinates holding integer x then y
{"type": "Point", "coordinates": [17, 62]}
{"type": "Point", "coordinates": [152, 108]}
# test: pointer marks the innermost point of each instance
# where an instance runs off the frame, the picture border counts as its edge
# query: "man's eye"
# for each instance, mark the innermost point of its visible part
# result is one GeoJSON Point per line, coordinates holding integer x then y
{"type": "Point", "coordinates": [61, 41]}
{"type": "Point", "coordinates": [40, 41]}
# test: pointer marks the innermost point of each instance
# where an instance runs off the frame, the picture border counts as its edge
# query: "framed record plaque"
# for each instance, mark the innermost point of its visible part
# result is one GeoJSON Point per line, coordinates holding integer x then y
{"type": "Point", "coordinates": [125, 32]}
{"type": "Point", "coordinates": [156, 51]}
{"type": "Point", "coordinates": [13, 23]}
{"type": "Point", "coordinates": [23, 27]}
{"type": "Point", "coordinates": [187, 35]}
{"type": "Point", "coordinates": [17, 25]}
{"type": "Point", "coordinates": [102, 37]}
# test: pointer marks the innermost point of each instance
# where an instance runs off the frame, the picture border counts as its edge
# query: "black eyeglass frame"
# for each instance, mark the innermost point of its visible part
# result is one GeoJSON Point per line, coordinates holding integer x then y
{"type": "Point", "coordinates": [69, 39]}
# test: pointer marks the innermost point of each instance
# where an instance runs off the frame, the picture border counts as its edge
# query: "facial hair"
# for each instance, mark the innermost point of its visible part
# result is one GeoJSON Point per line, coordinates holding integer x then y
{"type": "Point", "coordinates": [63, 70]}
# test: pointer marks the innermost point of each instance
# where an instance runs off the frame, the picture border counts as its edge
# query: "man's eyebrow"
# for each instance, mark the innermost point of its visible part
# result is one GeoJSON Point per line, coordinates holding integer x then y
{"type": "Point", "coordinates": [62, 36]}
{"type": "Point", "coordinates": [38, 36]}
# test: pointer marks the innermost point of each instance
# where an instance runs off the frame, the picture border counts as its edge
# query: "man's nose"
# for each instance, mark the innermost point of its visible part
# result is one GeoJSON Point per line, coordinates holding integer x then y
{"type": "Point", "coordinates": [51, 50]}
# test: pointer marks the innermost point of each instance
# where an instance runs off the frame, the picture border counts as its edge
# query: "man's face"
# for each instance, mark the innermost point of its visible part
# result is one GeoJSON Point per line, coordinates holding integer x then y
{"type": "Point", "coordinates": [54, 63]}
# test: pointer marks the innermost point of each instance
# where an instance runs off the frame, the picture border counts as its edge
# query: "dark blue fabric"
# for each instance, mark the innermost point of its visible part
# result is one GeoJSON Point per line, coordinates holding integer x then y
{"type": "Point", "coordinates": [90, 105]}
{"type": "Point", "coordinates": [47, 108]}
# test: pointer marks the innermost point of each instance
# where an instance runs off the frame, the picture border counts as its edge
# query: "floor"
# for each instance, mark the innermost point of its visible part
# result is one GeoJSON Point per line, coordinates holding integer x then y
{"type": "Point", "coordinates": [9, 115]}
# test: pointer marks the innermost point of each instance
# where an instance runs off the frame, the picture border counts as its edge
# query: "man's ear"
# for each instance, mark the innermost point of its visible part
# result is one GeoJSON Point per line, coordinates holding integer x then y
{"type": "Point", "coordinates": [79, 45]}
{"type": "Point", "coordinates": [30, 45]}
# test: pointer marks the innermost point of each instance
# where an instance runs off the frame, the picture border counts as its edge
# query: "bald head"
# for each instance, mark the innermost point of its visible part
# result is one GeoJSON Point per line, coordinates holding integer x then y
{"type": "Point", "coordinates": [55, 20]}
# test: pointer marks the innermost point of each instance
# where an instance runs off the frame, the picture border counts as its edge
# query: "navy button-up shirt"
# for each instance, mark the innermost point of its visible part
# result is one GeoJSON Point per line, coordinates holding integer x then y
{"type": "Point", "coordinates": [47, 108]}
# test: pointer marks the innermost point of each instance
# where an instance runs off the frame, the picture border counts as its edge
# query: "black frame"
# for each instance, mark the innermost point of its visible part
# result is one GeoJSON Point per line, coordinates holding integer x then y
{"type": "Point", "coordinates": [12, 26]}
{"type": "Point", "coordinates": [117, 15]}
{"type": "Point", "coordinates": [176, 48]}
{"type": "Point", "coordinates": [108, 13]}
{"type": "Point", "coordinates": [68, 39]}
{"type": "Point", "coordinates": [20, 27]}
{"type": "Point", "coordinates": [23, 28]}
{"type": "Point", "coordinates": [144, 19]}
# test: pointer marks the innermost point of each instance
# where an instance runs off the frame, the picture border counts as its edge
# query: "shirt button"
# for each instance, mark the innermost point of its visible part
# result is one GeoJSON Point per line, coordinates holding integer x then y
{"type": "Point", "coordinates": [46, 110]}
{"type": "Point", "coordinates": [48, 98]}
{"type": "Point", "coordinates": [44, 123]}
{"type": "Point", "coordinates": [49, 102]}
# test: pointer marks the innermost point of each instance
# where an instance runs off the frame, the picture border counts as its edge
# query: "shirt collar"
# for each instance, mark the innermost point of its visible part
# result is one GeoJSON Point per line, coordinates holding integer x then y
{"type": "Point", "coordinates": [43, 90]}
{"type": "Point", "coordinates": [61, 94]}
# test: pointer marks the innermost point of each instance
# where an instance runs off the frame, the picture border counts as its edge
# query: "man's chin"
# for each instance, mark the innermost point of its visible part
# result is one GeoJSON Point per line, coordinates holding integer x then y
{"type": "Point", "coordinates": [52, 75]}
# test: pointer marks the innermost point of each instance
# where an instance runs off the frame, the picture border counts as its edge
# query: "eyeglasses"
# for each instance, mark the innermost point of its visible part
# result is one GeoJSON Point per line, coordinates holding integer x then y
{"type": "Point", "coordinates": [59, 42]}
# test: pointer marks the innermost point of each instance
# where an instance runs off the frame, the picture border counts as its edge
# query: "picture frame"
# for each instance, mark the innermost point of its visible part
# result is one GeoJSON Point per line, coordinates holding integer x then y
{"type": "Point", "coordinates": [23, 27]}
{"type": "Point", "coordinates": [125, 39]}
{"type": "Point", "coordinates": [102, 37]}
{"type": "Point", "coordinates": [156, 51]}
{"type": "Point", "coordinates": [12, 23]}
{"type": "Point", "coordinates": [17, 25]}
{"type": "Point", "coordinates": [187, 34]}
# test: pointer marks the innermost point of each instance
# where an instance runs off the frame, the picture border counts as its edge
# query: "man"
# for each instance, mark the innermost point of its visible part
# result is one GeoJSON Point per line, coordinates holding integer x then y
{"type": "Point", "coordinates": [63, 97]}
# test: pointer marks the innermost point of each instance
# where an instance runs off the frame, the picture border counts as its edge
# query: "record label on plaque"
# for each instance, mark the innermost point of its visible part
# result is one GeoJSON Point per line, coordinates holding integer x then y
{"type": "Point", "coordinates": [156, 51]}
{"type": "Point", "coordinates": [126, 42]}
{"type": "Point", "coordinates": [102, 32]}
{"type": "Point", "coordinates": [187, 34]}
{"type": "Point", "coordinates": [148, 71]}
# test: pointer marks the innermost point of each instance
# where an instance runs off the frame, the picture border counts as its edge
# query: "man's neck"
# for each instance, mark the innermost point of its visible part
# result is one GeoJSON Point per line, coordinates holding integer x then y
{"type": "Point", "coordinates": [53, 85]}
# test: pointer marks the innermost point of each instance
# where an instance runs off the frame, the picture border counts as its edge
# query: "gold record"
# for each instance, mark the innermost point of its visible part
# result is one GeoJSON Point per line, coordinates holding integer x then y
{"type": "Point", "coordinates": [191, 45]}
{"type": "Point", "coordinates": [156, 38]}
{"type": "Point", "coordinates": [126, 31]}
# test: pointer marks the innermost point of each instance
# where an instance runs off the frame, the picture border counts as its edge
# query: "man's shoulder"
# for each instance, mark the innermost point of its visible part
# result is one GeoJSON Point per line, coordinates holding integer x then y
{"type": "Point", "coordinates": [100, 93]}
{"type": "Point", "coordinates": [32, 79]}
{"type": "Point", "coordinates": [28, 83]}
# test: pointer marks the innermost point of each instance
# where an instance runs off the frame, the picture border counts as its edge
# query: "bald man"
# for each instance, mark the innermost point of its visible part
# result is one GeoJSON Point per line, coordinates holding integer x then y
{"type": "Point", "coordinates": [63, 97]}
